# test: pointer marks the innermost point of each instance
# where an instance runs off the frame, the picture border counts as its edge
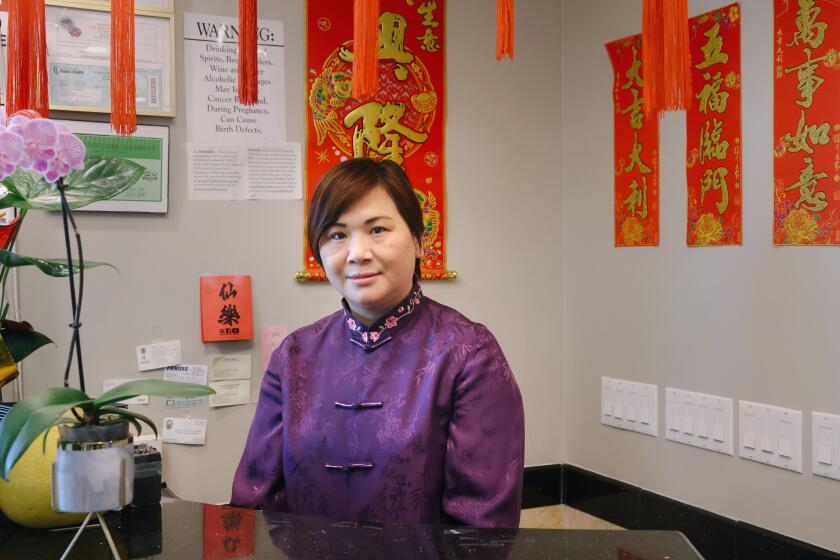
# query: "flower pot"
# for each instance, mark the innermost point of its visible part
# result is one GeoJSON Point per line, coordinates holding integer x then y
{"type": "Point", "coordinates": [94, 468]}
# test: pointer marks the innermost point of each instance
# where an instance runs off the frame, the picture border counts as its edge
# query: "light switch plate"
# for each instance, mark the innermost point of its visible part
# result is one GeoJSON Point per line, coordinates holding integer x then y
{"type": "Point", "coordinates": [700, 420]}
{"type": "Point", "coordinates": [771, 435]}
{"type": "Point", "coordinates": [825, 445]}
{"type": "Point", "coordinates": [629, 405]}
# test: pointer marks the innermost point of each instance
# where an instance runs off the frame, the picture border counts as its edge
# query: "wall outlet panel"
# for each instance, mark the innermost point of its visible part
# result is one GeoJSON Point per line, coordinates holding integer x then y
{"type": "Point", "coordinates": [825, 445]}
{"type": "Point", "coordinates": [629, 405]}
{"type": "Point", "coordinates": [770, 435]}
{"type": "Point", "coordinates": [700, 420]}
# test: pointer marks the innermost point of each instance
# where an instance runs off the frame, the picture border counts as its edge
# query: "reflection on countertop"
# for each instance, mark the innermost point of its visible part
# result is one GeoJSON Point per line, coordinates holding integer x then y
{"type": "Point", "coordinates": [186, 530]}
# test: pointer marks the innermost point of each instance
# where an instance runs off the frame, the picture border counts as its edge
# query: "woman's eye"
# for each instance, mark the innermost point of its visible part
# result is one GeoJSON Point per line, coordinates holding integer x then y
{"type": "Point", "coordinates": [337, 235]}
{"type": "Point", "coordinates": [377, 230]}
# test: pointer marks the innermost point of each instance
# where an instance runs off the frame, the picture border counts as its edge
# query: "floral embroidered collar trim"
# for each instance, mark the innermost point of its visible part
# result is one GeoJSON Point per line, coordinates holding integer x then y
{"type": "Point", "coordinates": [382, 330]}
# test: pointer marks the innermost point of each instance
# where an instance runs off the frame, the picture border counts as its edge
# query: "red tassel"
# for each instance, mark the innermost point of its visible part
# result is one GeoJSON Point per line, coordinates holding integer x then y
{"type": "Point", "coordinates": [504, 29]}
{"type": "Point", "coordinates": [365, 47]}
{"type": "Point", "coordinates": [665, 56]}
{"type": "Point", "coordinates": [26, 78]}
{"type": "Point", "coordinates": [248, 67]}
{"type": "Point", "coordinates": [123, 89]}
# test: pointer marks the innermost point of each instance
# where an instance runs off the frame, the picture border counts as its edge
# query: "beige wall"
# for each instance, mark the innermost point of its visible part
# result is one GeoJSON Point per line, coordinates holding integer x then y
{"type": "Point", "coordinates": [503, 179]}
{"type": "Point", "coordinates": [755, 322]}
{"type": "Point", "coordinates": [537, 266]}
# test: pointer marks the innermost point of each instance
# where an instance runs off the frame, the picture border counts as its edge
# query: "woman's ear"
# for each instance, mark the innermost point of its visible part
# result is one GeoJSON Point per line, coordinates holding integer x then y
{"type": "Point", "coordinates": [418, 250]}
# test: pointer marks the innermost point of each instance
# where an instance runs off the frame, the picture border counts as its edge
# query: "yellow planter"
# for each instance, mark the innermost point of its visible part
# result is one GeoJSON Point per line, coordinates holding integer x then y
{"type": "Point", "coordinates": [25, 497]}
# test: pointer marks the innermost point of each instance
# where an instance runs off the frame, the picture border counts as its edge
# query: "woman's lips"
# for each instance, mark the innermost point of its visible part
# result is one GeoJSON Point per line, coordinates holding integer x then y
{"type": "Point", "coordinates": [363, 279]}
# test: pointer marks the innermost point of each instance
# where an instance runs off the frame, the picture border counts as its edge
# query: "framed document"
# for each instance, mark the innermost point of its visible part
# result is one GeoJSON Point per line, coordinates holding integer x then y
{"type": "Point", "coordinates": [79, 58]}
{"type": "Point", "coordinates": [163, 6]}
{"type": "Point", "coordinates": [149, 147]}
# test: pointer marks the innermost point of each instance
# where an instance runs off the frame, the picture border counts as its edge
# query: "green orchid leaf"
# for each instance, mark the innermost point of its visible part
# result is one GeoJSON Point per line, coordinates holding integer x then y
{"type": "Point", "coordinates": [119, 416]}
{"type": "Point", "coordinates": [52, 267]}
{"type": "Point", "coordinates": [39, 420]}
{"type": "Point", "coordinates": [23, 343]}
{"type": "Point", "coordinates": [22, 186]}
{"type": "Point", "coordinates": [20, 413]}
{"type": "Point", "coordinates": [60, 421]}
{"type": "Point", "coordinates": [153, 387]}
{"type": "Point", "coordinates": [132, 417]}
{"type": "Point", "coordinates": [100, 179]}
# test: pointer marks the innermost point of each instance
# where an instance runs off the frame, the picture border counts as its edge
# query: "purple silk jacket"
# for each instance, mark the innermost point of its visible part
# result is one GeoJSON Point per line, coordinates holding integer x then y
{"type": "Point", "coordinates": [416, 420]}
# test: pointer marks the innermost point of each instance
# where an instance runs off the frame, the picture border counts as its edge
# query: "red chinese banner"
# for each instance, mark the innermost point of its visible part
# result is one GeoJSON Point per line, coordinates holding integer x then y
{"type": "Point", "coordinates": [636, 140]}
{"type": "Point", "coordinates": [403, 121]}
{"type": "Point", "coordinates": [806, 125]}
{"type": "Point", "coordinates": [713, 128]}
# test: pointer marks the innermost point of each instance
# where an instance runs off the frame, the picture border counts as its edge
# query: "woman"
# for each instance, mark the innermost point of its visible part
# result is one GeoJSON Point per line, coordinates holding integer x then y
{"type": "Point", "coordinates": [395, 408]}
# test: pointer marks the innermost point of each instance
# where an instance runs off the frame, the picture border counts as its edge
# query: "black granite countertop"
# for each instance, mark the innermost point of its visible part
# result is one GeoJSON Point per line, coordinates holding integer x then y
{"type": "Point", "coordinates": [186, 530]}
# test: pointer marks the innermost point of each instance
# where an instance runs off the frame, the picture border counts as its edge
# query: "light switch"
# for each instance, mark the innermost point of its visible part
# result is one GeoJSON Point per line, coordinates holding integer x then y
{"type": "Point", "coordinates": [748, 422]}
{"type": "Point", "coordinates": [766, 432]}
{"type": "Point", "coordinates": [785, 439]}
{"type": "Point", "coordinates": [694, 417]}
{"type": "Point", "coordinates": [825, 445]}
{"type": "Point", "coordinates": [703, 421]}
{"type": "Point", "coordinates": [632, 406]}
{"type": "Point", "coordinates": [718, 429]}
{"type": "Point", "coordinates": [644, 414]}
{"type": "Point", "coordinates": [776, 431]}
{"type": "Point", "coordinates": [672, 410]}
{"type": "Point", "coordinates": [608, 401]}
{"type": "Point", "coordinates": [688, 418]}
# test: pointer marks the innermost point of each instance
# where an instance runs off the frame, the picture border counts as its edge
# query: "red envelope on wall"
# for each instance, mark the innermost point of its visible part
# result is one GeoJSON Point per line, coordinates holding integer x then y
{"type": "Point", "coordinates": [226, 312]}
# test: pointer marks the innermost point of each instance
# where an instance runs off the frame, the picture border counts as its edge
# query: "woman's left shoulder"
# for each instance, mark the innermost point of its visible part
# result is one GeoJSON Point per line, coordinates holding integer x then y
{"type": "Point", "coordinates": [459, 326]}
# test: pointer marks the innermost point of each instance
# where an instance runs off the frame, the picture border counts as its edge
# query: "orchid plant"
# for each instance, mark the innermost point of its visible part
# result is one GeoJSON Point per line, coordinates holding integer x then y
{"type": "Point", "coordinates": [43, 166]}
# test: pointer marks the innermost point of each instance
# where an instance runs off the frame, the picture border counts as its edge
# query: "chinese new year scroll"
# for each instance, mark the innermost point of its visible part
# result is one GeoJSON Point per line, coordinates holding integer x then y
{"type": "Point", "coordinates": [713, 128]}
{"type": "Point", "coordinates": [636, 141]}
{"type": "Point", "coordinates": [806, 122]}
{"type": "Point", "coordinates": [403, 121]}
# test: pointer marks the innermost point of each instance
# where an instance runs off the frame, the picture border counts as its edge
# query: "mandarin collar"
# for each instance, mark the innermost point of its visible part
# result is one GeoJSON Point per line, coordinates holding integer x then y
{"type": "Point", "coordinates": [384, 328]}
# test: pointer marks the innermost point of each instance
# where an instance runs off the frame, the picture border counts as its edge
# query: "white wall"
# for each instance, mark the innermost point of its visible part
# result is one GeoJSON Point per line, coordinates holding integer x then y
{"type": "Point", "coordinates": [503, 175]}
{"type": "Point", "coordinates": [755, 322]}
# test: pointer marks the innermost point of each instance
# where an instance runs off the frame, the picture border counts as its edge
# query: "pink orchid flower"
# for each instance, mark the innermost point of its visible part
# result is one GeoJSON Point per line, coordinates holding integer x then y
{"type": "Point", "coordinates": [11, 150]}
{"type": "Point", "coordinates": [70, 154]}
{"type": "Point", "coordinates": [39, 139]}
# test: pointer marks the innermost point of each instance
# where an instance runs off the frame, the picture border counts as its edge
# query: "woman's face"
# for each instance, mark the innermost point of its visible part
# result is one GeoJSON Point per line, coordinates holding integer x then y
{"type": "Point", "coordinates": [369, 254]}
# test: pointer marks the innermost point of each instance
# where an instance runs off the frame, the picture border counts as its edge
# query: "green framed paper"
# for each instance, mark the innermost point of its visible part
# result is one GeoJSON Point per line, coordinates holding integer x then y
{"type": "Point", "coordinates": [149, 147]}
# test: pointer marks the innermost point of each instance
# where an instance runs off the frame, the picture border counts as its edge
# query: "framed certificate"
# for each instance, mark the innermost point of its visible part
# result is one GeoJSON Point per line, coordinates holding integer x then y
{"type": "Point", "coordinates": [79, 57]}
{"type": "Point", "coordinates": [149, 147]}
{"type": "Point", "coordinates": [162, 6]}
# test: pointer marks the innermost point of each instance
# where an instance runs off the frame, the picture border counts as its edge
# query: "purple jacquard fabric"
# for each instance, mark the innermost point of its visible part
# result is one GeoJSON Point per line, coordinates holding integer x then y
{"type": "Point", "coordinates": [417, 419]}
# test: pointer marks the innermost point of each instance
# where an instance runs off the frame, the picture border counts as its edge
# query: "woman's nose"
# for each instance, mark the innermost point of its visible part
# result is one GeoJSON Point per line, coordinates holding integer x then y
{"type": "Point", "coordinates": [359, 249]}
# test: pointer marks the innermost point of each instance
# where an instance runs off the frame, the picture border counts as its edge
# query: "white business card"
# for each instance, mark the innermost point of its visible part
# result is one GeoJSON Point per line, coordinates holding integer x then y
{"type": "Point", "coordinates": [229, 393]}
{"type": "Point", "coordinates": [158, 355]}
{"type": "Point", "coordinates": [185, 373]}
{"type": "Point", "coordinates": [187, 431]}
{"type": "Point", "coordinates": [230, 366]}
